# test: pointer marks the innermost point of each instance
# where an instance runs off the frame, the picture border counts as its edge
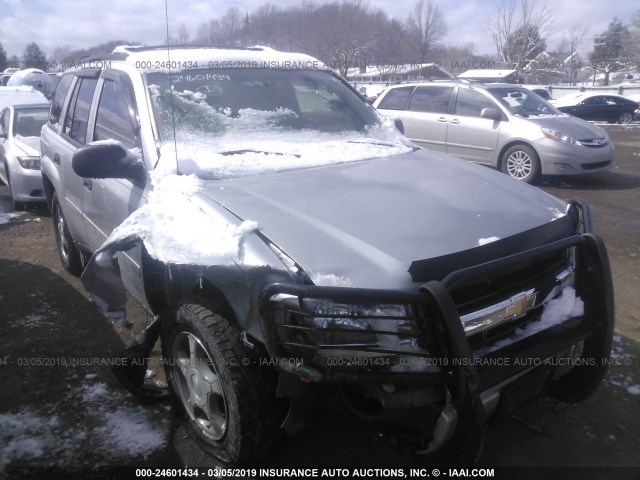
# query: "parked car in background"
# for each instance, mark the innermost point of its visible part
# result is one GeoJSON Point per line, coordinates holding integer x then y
{"type": "Point", "coordinates": [290, 244]}
{"type": "Point", "coordinates": [35, 78]}
{"type": "Point", "coordinates": [497, 124]}
{"type": "Point", "coordinates": [23, 112]}
{"type": "Point", "coordinates": [599, 107]}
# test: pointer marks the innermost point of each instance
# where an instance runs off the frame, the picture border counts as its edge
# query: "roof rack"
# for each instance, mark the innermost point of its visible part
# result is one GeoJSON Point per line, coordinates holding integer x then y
{"type": "Point", "coordinates": [150, 48]}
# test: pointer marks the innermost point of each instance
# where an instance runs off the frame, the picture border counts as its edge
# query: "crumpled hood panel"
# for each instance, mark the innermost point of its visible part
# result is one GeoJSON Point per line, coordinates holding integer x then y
{"type": "Point", "coordinates": [368, 221]}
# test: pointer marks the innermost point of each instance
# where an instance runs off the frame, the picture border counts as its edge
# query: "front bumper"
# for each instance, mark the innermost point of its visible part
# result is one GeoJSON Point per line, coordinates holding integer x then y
{"type": "Point", "coordinates": [26, 185]}
{"type": "Point", "coordinates": [563, 159]}
{"type": "Point", "coordinates": [477, 383]}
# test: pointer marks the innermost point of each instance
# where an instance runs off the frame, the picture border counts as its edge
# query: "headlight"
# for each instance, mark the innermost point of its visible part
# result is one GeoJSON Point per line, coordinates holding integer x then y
{"type": "Point", "coordinates": [384, 326]}
{"type": "Point", "coordinates": [30, 163]}
{"type": "Point", "coordinates": [559, 136]}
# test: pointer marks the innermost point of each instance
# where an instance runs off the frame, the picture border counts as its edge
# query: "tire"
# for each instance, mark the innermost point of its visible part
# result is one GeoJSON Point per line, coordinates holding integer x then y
{"type": "Point", "coordinates": [230, 407]}
{"type": "Point", "coordinates": [625, 117]}
{"type": "Point", "coordinates": [522, 163]}
{"type": "Point", "coordinates": [67, 250]}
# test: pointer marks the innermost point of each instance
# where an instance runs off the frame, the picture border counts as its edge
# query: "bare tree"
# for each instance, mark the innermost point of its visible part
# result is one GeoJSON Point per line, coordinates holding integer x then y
{"type": "Point", "coordinates": [634, 27]}
{"type": "Point", "coordinates": [427, 26]}
{"type": "Point", "coordinates": [182, 38]}
{"type": "Point", "coordinates": [209, 33]}
{"type": "Point", "coordinates": [231, 25]}
{"type": "Point", "coordinates": [576, 33]}
{"type": "Point", "coordinates": [518, 29]}
{"type": "Point", "coordinates": [62, 57]}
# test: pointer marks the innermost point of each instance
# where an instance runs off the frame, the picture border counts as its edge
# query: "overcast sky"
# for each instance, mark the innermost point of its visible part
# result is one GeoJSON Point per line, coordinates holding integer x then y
{"type": "Point", "coordinates": [84, 23]}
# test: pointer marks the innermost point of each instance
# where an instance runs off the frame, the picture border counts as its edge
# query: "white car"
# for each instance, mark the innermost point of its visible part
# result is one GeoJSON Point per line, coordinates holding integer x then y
{"type": "Point", "coordinates": [20, 126]}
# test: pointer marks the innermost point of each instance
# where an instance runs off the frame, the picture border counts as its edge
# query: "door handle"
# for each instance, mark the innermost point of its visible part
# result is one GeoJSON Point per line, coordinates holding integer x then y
{"type": "Point", "coordinates": [56, 159]}
{"type": "Point", "coordinates": [455, 121]}
{"type": "Point", "coordinates": [442, 119]}
{"type": "Point", "coordinates": [88, 184]}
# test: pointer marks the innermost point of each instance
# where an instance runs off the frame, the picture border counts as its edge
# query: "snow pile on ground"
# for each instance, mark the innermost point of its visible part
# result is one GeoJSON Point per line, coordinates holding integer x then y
{"type": "Point", "coordinates": [127, 431]}
{"type": "Point", "coordinates": [6, 217]}
{"type": "Point", "coordinates": [176, 228]}
{"type": "Point", "coordinates": [25, 435]}
{"type": "Point", "coordinates": [41, 315]}
{"type": "Point", "coordinates": [103, 419]}
{"type": "Point", "coordinates": [620, 357]}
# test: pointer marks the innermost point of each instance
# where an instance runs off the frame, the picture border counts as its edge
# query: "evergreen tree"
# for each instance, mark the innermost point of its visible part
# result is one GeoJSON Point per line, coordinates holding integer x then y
{"type": "Point", "coordinates": [33, 57]}
{"type": "Point", "coordinates": [3, 58]}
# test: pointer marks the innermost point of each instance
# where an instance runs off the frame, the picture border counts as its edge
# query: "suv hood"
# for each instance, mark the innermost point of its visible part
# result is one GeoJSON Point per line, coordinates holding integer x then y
{"type": "Point", "coordinates": [570, 125]}
{"type": "Point", "coordinates": [368, 221]}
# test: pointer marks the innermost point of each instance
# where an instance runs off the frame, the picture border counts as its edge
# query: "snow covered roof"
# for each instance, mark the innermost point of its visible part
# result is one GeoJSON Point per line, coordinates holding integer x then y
{"type": "Point", "coordinates": [163, 59]}
{"type": "Point", "coordinates": [22, 95]}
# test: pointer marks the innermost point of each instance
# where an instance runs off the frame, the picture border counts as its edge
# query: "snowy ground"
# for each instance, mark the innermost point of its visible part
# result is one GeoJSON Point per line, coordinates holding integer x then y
{"type": "Point", "coordinates": [107, 422]}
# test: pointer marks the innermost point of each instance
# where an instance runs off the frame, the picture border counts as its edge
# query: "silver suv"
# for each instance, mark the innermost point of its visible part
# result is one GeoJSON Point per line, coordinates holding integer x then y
{"type": "Point", "coordinates": [284, 238]}
{"type": "Point", "coordinates": [506, 126]}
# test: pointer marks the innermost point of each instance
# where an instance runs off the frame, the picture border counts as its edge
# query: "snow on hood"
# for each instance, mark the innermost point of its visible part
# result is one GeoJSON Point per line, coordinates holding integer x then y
{"type": "Point", "coordinates": [176, 228]}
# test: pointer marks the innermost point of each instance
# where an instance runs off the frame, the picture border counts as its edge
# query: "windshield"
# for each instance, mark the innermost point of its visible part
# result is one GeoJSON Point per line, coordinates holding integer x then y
{"type": "Point", "coordinates": [28, 122]}
{"type": "Point", "coordinates": [229, 122]}
{"type": "Point", "coordinates": [523, 102]}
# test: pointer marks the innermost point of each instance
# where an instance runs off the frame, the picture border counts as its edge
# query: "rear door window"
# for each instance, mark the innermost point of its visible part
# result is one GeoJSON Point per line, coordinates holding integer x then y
{"type": "Point", "coordinates": [396, 99]}
{"type": "Point", "coordinates": [58, 100]}
{"type": "Point", "coordinates": [77, 118]}
{"type": "Point", "coordinates": [4, 122]}
{"type": "Point", "coordinates": [433, 99]}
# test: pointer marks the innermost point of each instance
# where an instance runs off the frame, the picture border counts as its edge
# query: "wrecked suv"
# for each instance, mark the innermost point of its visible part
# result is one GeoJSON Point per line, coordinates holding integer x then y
{"type": "Point", "coordinates": [284, 238]}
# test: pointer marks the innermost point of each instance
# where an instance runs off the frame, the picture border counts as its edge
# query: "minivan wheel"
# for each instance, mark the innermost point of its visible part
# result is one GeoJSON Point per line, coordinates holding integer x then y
{"type": "Point", "coordinates": [67, 250]}
{"type": "Point", "coordinates": [522, 163]}
{"type": "Point", "coordinates": [229, 400]}
{"type": "Point", "coordinates": [625, 117]}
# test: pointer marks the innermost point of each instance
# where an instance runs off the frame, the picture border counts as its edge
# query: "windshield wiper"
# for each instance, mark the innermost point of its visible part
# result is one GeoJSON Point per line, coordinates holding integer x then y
{"type": "Point", "coordinates": [242, 152]}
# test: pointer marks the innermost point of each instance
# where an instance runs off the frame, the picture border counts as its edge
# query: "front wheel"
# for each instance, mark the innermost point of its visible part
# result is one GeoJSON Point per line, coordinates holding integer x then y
{"type": "Point", "coordinates": [625, 117]}
{"type": "Point", "coordinates": [522, 163]}
{"type": "Point", "coordinates": [67, 250]}
{"type": "Point", "coordinates": [228, 399]}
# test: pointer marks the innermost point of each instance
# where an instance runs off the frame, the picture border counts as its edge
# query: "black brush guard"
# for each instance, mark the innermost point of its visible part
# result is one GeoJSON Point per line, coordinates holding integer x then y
{"type": "Point", "coordinates": [450, 347]}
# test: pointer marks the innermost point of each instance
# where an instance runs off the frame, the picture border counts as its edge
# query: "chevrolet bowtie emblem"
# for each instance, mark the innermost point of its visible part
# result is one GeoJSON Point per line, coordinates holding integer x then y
{"type": "Point", "coordinates": [513, 308]}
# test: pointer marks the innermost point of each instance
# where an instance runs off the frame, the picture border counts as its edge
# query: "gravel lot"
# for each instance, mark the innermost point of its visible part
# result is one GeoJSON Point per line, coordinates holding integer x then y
{"type": "Point", "coordinates": [62, 412]}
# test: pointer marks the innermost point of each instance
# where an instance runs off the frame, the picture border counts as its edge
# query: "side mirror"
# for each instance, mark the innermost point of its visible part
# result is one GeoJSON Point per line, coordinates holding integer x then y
{"type": "Point", "coordinates": [399, 125]}
{"type": "Point", "coordinates": [106, 161]}
{"type": "Point", "coordinates": [491, 113]}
